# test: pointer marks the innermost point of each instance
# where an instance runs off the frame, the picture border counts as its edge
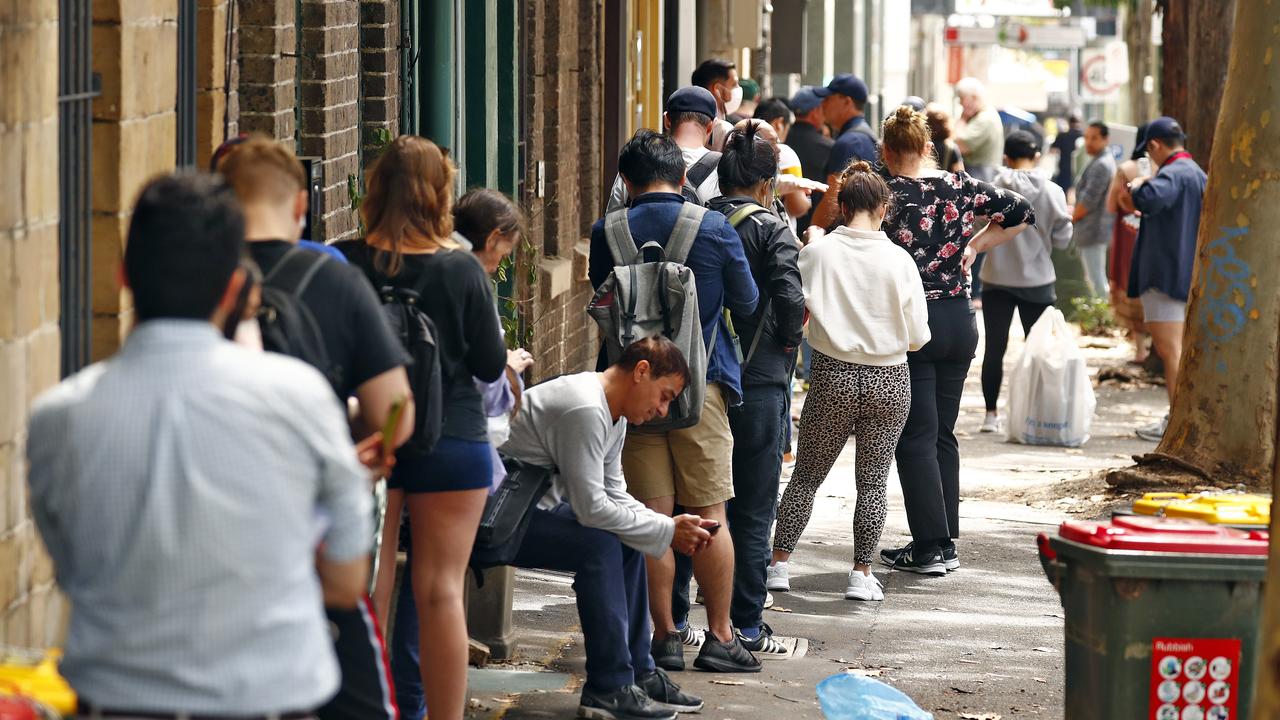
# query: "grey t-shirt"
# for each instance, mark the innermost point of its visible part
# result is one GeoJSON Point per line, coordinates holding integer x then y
{"type": "Point", "coordinates": [565, 424]}
{"type": "Point", "coordinates": [1091, 192]}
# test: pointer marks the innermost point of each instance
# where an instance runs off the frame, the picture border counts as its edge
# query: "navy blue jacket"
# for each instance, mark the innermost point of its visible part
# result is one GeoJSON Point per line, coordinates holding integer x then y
{"type": "Point", "coordinates": [851, 145]}
{"type": "Point", "coordinates": [1170, 204]}
{"type": "Point", "coordinates": [719, 268]}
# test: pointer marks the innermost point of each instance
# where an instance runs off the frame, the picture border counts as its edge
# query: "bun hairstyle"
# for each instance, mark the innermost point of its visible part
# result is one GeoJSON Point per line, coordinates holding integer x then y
{"type": "Point", "coordinates": [862, 190]}
{"type": "Point", "coordinates": [906, 132]}
{"type": "Point", "coordinates": [747, 160]}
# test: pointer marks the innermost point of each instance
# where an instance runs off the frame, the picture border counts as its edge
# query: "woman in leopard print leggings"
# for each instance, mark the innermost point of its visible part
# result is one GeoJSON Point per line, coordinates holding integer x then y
{"type": "Point", "coordinates": [867, 310]}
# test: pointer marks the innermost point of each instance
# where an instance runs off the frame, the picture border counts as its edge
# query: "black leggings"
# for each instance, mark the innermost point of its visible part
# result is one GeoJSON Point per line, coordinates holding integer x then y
{"type": "Point", "coordinates": [997, 317]}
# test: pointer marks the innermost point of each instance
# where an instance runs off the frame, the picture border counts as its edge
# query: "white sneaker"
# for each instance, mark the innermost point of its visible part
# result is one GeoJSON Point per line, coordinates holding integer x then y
{"type": "Point", "coordinates": [863, 587]}
{"type": "Point", "coordinates": [692, 637]}
{"type": "Point", "coordinates": [990, 424]}
{"type": "Point", "coordinates": [768, 600]}
{"type": "Point", "coordinates": [777, 577]}
{"type": "Point", "coordinates": [1155, 431]}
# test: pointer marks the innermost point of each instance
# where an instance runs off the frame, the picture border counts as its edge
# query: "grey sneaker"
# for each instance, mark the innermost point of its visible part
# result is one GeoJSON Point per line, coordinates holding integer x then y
{"type": "Point", "coordinates": [628, 703]}
{"type": "Point", "coordinates": [730, 657]}
{"type": "Point", "coordinates": [1155, 431]}
{"type": "Point", "coordinates": [666, 694]}
{"type": "Point", "coordinates": [668, 652]}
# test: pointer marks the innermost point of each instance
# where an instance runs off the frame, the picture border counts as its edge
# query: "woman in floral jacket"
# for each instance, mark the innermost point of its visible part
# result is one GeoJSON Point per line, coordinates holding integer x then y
{"type": "Point", "coordinates": [933, 217]}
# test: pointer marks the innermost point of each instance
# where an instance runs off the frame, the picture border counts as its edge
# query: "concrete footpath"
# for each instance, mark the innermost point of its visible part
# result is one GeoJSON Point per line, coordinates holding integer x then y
{"type": "Point", "coordinates": [982, 643]}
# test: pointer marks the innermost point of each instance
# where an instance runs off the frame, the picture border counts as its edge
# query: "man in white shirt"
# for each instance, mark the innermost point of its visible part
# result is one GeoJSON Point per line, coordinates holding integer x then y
{"type": "Point", "coordinates": [182, 487]}
{"type": "Point", "coordinates": [688, 119]}
{"type": "Point", "coordinates": [578, 424]}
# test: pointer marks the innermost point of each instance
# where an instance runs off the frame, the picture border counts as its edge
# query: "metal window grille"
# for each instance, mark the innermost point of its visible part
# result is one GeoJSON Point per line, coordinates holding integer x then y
{"type": "Point", "coordinates": [77, 86]}
{"type": "Point", "coordinates": [186, 100]}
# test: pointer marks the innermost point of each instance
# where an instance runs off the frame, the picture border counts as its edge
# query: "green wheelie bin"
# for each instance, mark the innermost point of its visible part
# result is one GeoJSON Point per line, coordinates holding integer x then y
{"type": "Point", "coordinates": [1161, 617]}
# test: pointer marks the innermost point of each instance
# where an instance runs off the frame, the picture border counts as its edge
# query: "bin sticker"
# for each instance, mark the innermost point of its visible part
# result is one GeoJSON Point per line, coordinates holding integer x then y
{"type": "Point", "coordinates": [1194, 678]}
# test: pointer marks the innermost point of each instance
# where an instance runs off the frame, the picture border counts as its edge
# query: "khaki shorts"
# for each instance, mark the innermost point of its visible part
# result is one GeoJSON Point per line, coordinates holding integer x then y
{"type": "Point", "coordinates": [694, 464]}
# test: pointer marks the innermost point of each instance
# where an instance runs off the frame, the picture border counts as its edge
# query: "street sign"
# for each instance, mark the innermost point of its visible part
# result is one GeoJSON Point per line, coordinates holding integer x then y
{"type": "Point", "coordinates": [1018, 35]}
{"type": "Point", "coordinates": [1103, 71]}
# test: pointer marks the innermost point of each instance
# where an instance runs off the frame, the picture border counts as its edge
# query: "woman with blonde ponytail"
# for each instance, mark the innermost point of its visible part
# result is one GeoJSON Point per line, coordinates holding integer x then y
{"type": "Point", "coordinates": [408, 215]}
{"type": "Point", "coordinates": [932, 216]}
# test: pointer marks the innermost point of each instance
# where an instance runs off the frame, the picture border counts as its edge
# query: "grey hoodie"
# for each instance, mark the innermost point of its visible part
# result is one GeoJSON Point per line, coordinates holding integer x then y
{"type": "Point", "coordinates": [1025, 261]}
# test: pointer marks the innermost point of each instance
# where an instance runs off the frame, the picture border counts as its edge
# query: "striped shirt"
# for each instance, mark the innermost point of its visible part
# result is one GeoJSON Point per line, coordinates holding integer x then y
{"type": "Point", "coordinates": [180, 488]}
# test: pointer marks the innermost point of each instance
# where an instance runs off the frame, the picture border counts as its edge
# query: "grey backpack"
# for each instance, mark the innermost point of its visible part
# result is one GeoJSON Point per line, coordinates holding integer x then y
{"type": "Point", "coordinates": [642, 298]}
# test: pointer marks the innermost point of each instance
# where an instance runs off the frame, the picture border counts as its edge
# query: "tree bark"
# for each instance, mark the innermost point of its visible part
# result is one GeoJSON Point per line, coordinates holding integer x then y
{"type": "Point", "coordinates": [1195, 51]}
{"type": "Point", "coordinates": [1223, 419]}
{"type": "Point", "coordinates": [1137, 35]}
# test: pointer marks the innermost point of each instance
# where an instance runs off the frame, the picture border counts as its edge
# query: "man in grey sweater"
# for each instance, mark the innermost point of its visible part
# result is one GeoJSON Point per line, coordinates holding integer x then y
{"type": "Point", "coordinates": [589, 525]}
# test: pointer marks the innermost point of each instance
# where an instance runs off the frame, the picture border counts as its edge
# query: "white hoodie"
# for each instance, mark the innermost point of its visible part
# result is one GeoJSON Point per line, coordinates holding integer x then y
{"type": "Point", "coordinates": [865, 299]}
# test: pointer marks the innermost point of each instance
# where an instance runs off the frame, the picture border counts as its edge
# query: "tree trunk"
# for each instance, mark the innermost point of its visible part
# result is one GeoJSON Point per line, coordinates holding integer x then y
{"type": "Point", "coordinates": [1137, 35]}
{"type": "Point", "coordinates": [1195, 50]}
{"type": "Point", "coordinates": [1223, 420]}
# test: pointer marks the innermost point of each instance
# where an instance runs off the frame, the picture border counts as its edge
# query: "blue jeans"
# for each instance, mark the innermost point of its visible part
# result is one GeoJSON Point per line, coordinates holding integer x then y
{"type": "Point", "coordinates": [613, 605]}
{"type": "Point", "coordinates": [1094, 258]}
{"type": "Point", "coordinates": [759, 431]}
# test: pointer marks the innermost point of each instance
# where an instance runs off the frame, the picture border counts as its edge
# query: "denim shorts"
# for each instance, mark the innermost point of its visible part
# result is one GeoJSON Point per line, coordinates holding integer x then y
{"type": "Point", "coordinates": [1159, 307]}
{"type": "Point", "coordinates": [453, 465]}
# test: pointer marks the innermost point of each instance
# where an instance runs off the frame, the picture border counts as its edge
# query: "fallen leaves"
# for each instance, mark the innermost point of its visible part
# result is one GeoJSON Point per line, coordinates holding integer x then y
{"type": "Point", "coordinates": [980, 716]}
{"type": "Point", "coordinates": [727, 682]}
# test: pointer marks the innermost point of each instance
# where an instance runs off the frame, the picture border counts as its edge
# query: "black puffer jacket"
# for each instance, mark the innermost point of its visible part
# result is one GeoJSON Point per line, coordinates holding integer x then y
{"type": "Point", "coordinates": [772, 252]}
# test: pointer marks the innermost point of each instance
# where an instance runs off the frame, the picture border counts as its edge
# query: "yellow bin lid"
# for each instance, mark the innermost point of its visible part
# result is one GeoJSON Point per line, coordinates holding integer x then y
{"type": "Point", "coordinates": [1223, 509]}
{"type": "Point", "coordinates": [1155, 503]}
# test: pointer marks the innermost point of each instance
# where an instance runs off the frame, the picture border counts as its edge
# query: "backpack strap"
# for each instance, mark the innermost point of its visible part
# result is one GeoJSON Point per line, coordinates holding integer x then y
{"type": "Point", "coordinates": [744, 212]}
{"type": "Point", "coordinates": [736, 218]}
{"type": "Point", "coordinates": [295, 270]}
{"type": "Point", "coordinates": [701, 170]}
{"type": "Point", "coordinates": [617, 233]}
{"type": "Point", "coordinates": [685, 231]}
{"type": "Point", "coordinates": [755, 341]}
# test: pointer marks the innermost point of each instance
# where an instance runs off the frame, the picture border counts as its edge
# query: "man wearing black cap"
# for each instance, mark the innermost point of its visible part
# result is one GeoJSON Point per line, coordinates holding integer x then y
{"type": "Point", "coordinates": [809, 142]}
{"type": "Point", "coordinates": [1170, 203]}
{"type": "Point", "coordinates": [688, 119]}
{"type": "Point", "coordinates": [843, 100]}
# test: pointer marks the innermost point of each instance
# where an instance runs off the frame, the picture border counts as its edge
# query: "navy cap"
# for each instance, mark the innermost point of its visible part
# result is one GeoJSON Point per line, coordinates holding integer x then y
{"type": "Point", "coordinates": [805, 100]}
{"type": "Point", "coordinates": [1163, 128]}
{"type": "Point", "coordinates": [692, 99]}
{"type": "Point", "coordinates": [845, 84]}
{"type": "Point", "coordinates": [914, 102]}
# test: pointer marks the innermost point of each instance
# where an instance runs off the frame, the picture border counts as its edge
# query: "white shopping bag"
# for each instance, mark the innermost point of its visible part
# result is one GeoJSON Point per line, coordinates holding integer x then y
{"type": "Point", "coordinates": [1051, 400]}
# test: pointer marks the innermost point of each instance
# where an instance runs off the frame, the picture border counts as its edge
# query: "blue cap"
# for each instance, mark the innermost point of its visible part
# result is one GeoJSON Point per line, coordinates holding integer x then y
{"type": "Point", "coordinates": [1162, 128]}
{"type": "Point", "coordinates": [845, 84]}
{"type": "Point", "coordinates": [914, 102]}
{"type": "Point", "coordinates": [692, 99]}
{"type": "Point", "coordinates": [805, 100]}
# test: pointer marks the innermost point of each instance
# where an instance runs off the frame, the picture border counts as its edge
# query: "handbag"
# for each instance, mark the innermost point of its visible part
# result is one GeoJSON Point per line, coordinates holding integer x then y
{"type": "Point", "coordinates": [506, 515]}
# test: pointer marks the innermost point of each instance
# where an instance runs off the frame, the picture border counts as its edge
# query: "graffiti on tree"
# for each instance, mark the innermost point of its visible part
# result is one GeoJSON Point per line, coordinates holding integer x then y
{"type": "Point", "coordinates": [1228, 290]}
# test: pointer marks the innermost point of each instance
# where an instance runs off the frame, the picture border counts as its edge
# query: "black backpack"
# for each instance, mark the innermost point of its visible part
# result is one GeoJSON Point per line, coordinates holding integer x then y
{"type": "Point", "coordinates": [506, 515]}
{"type": "Point", "coordinates": [287, 324]}
{"type": "Point", "coordinates": [417, 333]}
{"type": "Point", "coordinates": [698, 174]}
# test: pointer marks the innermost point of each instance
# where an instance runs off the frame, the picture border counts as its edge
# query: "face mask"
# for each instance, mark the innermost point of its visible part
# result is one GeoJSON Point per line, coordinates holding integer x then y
{"type": "Point", "coordinates": [734, 102]}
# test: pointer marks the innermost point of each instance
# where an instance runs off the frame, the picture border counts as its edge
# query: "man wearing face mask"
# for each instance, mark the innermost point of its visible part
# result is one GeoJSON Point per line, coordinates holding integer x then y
{"type": "Point", "coordinates": [720, 77]}
{"type": "Point", "coordinates": [843, 102]}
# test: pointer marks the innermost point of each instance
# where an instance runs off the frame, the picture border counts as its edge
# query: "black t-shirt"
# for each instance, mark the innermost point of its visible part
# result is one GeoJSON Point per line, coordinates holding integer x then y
{"type": "Point", "coordinates": [1065, 144]}
{"type": "Point", "coordinates": [458, 297]}
{"type": "Point", "coordinates": [360, 344]}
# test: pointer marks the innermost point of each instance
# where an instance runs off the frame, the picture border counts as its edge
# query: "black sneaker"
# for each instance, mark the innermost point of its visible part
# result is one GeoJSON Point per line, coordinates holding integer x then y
{"type": "Point", "coordinates": [950, 557]}
{"type": "Point", "coordinates": [764, 646]}
{"type": "Point", "coordinates": [628, 703]}
{"type": "Point", "coordinates": [730, 657]}
{"type": "Point", "coordinates": [668, 653]}
{"type": "Point", "coordinates": [666, 694]}
{"type": "Point", "coordinates": [908, 560]}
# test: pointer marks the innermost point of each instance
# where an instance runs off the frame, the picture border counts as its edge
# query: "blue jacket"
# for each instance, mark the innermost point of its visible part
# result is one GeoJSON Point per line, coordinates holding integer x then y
{"type": "Point", "coordinates": [1166, 251]}
{"type": "Point", "coordinates": [851, 145]}
{"type": "Point", "coordinates": [719, 268]}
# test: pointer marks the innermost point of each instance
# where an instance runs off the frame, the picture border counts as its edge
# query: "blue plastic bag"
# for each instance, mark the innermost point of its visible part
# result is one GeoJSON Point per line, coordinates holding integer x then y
{"type": "Point", "coordinates": [853, 697]}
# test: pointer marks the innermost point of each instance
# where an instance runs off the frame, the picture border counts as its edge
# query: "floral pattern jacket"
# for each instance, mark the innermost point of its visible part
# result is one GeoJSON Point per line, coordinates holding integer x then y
{"type": "Point", "coordinates": [933, 218]}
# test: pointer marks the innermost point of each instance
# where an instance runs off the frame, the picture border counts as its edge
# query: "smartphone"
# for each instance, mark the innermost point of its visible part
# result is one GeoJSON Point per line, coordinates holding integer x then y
{"type": "Point", "coordinates": [392, 424]}
{"type": "Point", "coordinates": [713, 529]}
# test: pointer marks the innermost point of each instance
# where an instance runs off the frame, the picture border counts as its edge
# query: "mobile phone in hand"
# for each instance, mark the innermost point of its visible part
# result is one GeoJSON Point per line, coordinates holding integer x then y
{"type": "Point", "coordinates": [713, 529]}
{"type": "Point", "coordinates": [392, 424]}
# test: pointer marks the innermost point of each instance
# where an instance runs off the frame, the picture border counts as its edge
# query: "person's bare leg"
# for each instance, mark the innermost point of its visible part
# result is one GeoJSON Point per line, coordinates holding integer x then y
{"type": "Point", "coordinates": [1139, 339]}
{"type": "Point", "coordinates": [1167, 337]}
{"type": "Point", "coordinates": [780, 556]}
{"type": "Point", "coordinates": [713, 567]}
{"type": "Point", "coordinates": [662, 575]}
{"type": "Point", "coordinates": [384, 585]}
{"type": "Point", "coordinates": [443, 525]}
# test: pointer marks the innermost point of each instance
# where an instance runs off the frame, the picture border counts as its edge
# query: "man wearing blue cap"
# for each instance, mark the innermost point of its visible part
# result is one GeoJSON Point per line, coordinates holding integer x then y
{"type": "Point", "coordinates": [1160, 276]}
{"type": "Point", "coordinates": [810, 143]}
{"type": "Point", "coordinates": [689, 117]}
{"type": "Point", "coordinates": [843, 100]}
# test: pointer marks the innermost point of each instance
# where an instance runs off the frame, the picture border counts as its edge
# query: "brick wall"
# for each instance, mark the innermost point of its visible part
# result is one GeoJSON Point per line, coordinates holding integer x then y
{"type": "Point", "coordinates": [563, 110]}
{"type": "Point", "coordinates": [31, 610]}
{"type": "Point", "coordinates": [329, 70]}
{"type": "Point", "coordinates": [380, 71]}
{"type": "Point", "coordinates": [135, 48]}
{"type": "Point", "coordinates": [267, 67]}
{"type": "Point", "coordinates": [217, 110]}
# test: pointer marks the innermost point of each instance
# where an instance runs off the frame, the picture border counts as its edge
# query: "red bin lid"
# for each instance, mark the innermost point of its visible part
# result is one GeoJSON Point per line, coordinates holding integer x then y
{"type": "Point", "coordinates": [1171, 535]}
